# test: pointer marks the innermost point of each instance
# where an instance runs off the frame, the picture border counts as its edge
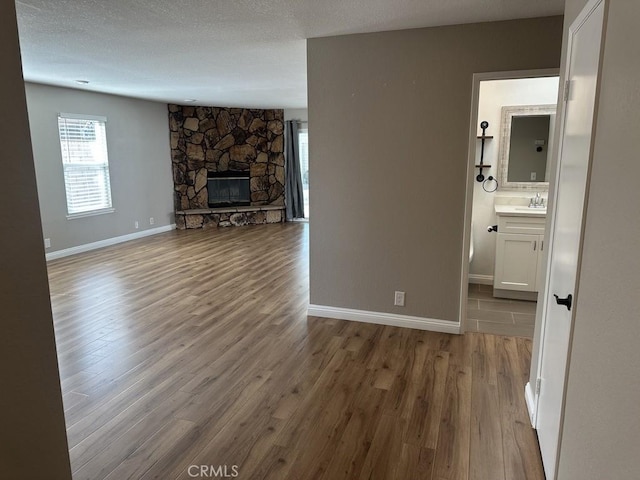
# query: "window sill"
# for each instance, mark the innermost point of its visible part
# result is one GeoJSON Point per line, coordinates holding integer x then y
{"type": "Point", "coordinates": [90, 213]}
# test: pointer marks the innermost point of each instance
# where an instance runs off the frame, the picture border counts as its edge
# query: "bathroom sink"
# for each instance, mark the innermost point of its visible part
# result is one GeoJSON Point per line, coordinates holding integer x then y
{"type": "Point", "coordinates": [520, 210]}
{"type": "Point", "coordinates": [527, 209]}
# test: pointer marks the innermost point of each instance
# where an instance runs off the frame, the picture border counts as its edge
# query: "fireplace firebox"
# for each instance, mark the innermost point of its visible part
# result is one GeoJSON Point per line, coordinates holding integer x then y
{"type": "Point", "coordinates": [228, 189]}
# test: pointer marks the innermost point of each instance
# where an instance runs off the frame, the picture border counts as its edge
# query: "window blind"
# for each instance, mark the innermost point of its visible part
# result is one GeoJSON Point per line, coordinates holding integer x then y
{"type": "Point", "coordinates": [85, 163]}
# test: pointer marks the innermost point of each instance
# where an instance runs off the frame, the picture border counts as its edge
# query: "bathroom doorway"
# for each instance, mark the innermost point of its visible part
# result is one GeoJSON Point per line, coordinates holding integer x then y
{"type": "Point", "coordinates": [502, 266]}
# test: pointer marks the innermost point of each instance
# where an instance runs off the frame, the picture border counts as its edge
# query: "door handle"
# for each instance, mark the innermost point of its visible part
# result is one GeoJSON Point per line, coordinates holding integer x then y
{"type": "Point", "coordinates": [564, 301]}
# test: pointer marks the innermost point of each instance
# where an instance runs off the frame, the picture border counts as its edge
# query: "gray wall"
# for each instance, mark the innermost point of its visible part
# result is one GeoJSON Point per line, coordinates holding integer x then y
{"type": "Point", "coordinates": [139, 164]}
{"type": "Point", "coordinates": [296, 114]}
{"type": "Point", "coordinates": [389, 127]}
{"type": "Point", "coordinates": [601, 433]}
{"type": "Point", "coordinates": [33, 442]}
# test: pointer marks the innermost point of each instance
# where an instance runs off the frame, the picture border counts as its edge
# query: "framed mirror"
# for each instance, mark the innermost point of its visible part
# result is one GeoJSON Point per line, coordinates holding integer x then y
{"type": "Point", "coordinates": [526, 135]}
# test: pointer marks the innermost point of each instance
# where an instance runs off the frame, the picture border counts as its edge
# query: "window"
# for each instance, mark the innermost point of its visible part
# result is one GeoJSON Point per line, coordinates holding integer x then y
{"type": "Point", "coordinates": [83, 141]}
{"type": "Point", "coordinates": [303, 143]}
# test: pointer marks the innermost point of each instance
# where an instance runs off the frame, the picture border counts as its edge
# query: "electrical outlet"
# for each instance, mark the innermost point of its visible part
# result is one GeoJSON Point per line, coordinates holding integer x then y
{"type": "Point", "coordinates": [135, 224]}
{"type": "Point", "coordinates": [151, 220]}
{"type": "Point", "coordinates": [398, 300]}
{"type": "Point", "coordinates": [533, 175]}
{"type": "Point", "coordinates": [47, 243]}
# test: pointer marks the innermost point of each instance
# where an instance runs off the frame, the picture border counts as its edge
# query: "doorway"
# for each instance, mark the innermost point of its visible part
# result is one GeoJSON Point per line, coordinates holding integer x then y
{"type": "Point", "coordinates": [499, 283]}
{"type": "Point", "coordinates": [303, 142]}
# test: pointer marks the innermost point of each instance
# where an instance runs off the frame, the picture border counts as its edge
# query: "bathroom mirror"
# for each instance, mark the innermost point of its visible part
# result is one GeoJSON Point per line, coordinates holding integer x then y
{"type": "Point", "coordinates": [526, 134]}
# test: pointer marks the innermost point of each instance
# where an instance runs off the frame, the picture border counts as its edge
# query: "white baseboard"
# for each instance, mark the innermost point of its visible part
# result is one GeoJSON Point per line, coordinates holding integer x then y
{"type": "Point", "coordinates": [108, 242]}
{"type": "Point", "coordinates": [382, 318]}
{"type": "Point", "coordinates": [531, 404]}
{"type": "Point", "coordinates": [481, 279]}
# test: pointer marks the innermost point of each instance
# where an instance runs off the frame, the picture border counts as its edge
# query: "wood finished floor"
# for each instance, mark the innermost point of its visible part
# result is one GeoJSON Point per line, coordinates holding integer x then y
{"type": "Point", "coordinates": [193, 347]}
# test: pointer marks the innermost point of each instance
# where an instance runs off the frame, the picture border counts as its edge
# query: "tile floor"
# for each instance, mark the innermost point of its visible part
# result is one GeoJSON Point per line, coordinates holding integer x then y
{"type": "Point", "coordinates": [498, 316]}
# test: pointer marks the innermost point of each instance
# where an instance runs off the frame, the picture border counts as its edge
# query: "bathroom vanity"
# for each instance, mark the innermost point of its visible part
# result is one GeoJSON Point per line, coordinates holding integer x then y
{"type": "Point", "coordinates": [519, 251]}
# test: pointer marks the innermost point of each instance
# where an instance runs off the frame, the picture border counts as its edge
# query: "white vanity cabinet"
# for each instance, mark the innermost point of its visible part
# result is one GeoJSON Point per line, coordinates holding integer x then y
{"type": "Point", "coordinates": [519, 249]}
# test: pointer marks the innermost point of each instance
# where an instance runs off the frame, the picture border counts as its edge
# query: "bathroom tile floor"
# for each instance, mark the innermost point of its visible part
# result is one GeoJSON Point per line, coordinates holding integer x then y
{"type": "Point", "coordinates": [498, 316]}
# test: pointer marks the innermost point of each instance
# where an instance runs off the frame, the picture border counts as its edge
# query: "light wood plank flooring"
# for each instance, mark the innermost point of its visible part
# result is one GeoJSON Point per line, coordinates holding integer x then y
{"type": "Point", "coordinates": [194, 348]}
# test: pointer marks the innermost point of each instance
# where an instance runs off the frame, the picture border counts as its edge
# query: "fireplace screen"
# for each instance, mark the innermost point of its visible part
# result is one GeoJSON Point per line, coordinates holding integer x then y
{"type": "Point", "coordinates": [228, 189]}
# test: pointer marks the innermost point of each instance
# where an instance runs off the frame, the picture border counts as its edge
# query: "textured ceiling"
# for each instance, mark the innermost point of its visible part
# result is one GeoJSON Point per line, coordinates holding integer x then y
{"type": "Point", "coordinates": [217, 52]}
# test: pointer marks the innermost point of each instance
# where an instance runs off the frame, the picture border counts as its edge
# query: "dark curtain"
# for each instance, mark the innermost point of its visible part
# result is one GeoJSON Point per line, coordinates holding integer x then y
{"type": "Point", "coordinates": [294, 200]}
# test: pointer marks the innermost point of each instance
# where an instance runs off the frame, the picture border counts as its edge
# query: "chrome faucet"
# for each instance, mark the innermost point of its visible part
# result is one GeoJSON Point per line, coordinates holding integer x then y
{"type": "Point", "coordinates": [537, 201]}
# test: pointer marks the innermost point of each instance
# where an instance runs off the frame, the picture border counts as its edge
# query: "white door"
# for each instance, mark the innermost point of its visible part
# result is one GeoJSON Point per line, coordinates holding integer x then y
{"type": "Point", "coordinates": [583, 60]}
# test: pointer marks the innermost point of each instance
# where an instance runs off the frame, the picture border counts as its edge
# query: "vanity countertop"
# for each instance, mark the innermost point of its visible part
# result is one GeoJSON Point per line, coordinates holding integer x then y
{"type": "Point", "coordinates": [520, 211]}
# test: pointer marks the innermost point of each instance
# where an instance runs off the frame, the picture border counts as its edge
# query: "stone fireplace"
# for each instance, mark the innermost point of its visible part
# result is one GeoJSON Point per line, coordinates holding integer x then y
{"type": "Point", "coordinates": [237, 151]}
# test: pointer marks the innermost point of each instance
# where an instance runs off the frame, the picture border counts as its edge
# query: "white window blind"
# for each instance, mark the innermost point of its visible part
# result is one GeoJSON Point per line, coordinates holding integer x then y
{"type": "Point", "coordinates": [85, 163]}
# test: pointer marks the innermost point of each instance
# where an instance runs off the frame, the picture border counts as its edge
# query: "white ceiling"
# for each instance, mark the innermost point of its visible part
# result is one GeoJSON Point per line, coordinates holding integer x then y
{"type": "Point", "coordinates": [218, 52]}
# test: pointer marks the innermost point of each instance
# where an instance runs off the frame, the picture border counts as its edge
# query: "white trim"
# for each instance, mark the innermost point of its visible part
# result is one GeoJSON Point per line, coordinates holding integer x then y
{"type": "Point", "coordinates": [90, 213]}
{"type": "Point", "coordinates": [108, 242]}
{"type": "Point", "coordinates": [513, 74]}
{"type": "Point", "coordinates": [531, 404]}
{"type": "Point", "coordinates": [383, 318]}
{"type": "Point", "coordinates": [481, 279]}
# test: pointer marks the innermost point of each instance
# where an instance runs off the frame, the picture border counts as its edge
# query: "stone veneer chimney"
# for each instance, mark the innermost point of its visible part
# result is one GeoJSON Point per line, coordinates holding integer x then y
{"type": "Point", "coordinates": [214, 139]}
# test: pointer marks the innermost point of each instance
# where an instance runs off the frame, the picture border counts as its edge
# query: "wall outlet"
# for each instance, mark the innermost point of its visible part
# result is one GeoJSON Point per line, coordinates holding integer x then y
{"type": "Point", "coordinates": [47, 243]}
{"type": "Point", "coordinates": [152, 220]}
{"type": "Point", "coordinates": [398, 299]}
{"type": "Point", "coordinates": [533, 175]}
{"type": "Point", "coordinates": [136, 224]}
